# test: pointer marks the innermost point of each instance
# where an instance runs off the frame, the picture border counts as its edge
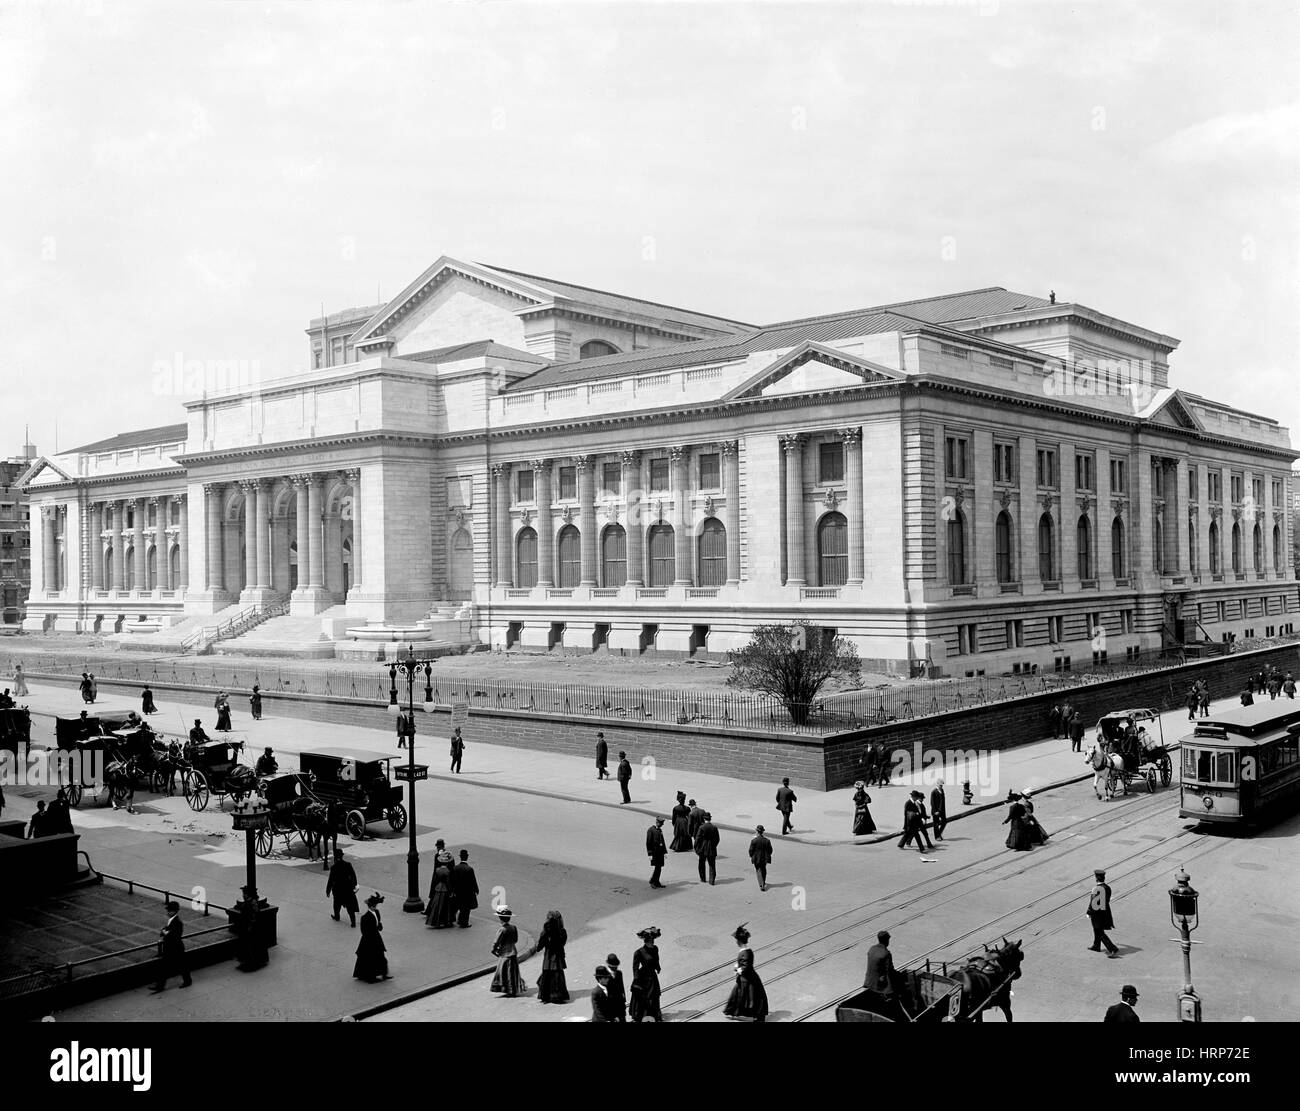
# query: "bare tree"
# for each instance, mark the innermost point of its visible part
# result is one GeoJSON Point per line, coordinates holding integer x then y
{"type": "Point", "coordinates": [775, 663]}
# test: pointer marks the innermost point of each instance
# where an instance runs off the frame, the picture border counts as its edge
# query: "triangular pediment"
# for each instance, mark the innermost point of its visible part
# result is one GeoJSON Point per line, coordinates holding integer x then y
{"type": "Point", "coordinates": [43, 472]}
{"type": "Point", "coordinates": [1171, 411]}
{"type": "Point", "coordinates": [813, 368]}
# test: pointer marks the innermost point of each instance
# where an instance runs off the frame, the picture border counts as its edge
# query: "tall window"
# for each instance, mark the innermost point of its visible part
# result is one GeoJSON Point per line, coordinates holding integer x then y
{"type": "Point", "coordinates": [1277, 548]}
{"type": "Point", "coordinates": [713, 553]}
{"type": "Point", "coordinates": [526, 558]}
{"type": "Point", "coordinates": [524, 485]}
{"type": "Point", "coordinates": [152, 569]}
{"type": "Point", "coordinates": [1215, 564]}
{"type": "Point", "coordinates": [1046, 547]}
{"type": "Point", "coordinates": [613, 556]}
{"type": "Point", "coordinates": [1191, 548]}
{"type": "Point", "coordinates": [611, 479]}
{"type": "Point", "coordinates": [658, 474]}
{"type": "Point", "coordinates": [833, 550]}
{"type": "Point", "coordinates": [569, 550]}
{"type": "Point", "coordinates": [957, 548]}
{"type": "Point", "coordinates": [1158, 545]}
{"type": "Point", "coordinates": [1236, 549]}
{"type": "Point", "coordinates": [663, 562]}
{"type": "Point", "coordinates": [1047, 474]}
{"type": "Point", "coordinates": [1002, 533]}
{"type": "Point", "coordinates": [568, 483]}
{"type": "Point", "coordinates": [1192, 483]}
{"type": "Point", "coordinates": [1004, 462]}
{"type": "Point", "coordinates": [1118, 476]}
{"type": "Point", "coordinates": [1083, 472]}
{"type": "Point", "coordinates": [1236, 482]}
{"type": "Point", "coordinates": [830, 462]}
{"type": "Point", "coordinates": [1214, 482]}
{"type": "Point", "coordinates": [1258, 548]}
{"type": "Point", "coordinates": [955, 455]}
{"type": "Point", "coordinates": [1083, 538]}
{"type": "Point", "coordinates": [711, 471]}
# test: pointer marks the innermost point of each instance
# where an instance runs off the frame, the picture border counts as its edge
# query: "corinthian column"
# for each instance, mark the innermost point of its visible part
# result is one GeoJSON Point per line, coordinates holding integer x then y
{"type": "Point", "coordinates": [545, 524]}
{"type": "Point", "coordinates": [679, 478]}
{"type": "Point", "coordinates": [49, 553]}
{"type": "Point", "coordinates": [162, 545]}
{"type": "Point", "coordinates": [303, 517]}
{"type": "Point", "coordinates": [261, 500]}
{"type": "Point", "coordinates": [97, 546]}
{"type": "Point", "coordinates": [315, 559]}
{"type": "Point", "coordinates": [216, 550]}
{"type": "Point", "coordinates": [731, 511]}
{"type": "Point", "coordinates": [852, 438]}
{"type": "Point", "coordinates": [250, 534]}
{"type": "Point", "coordinates": [501, 485]}
{"type": "Point", "coordinates": [182, 543]}
{"type": "Point", "coordinates": [635, 528]}
{"type": "Point", "coordinates": [793, 448]}
{"type": "Point", "coordinates": [354, 479]}
{"type": "Point", "coordinates": [140, 562]}
{"type": "Point", "coordinates": [119, 546]}
{"type": "Point", "coordinates": [587, 517]}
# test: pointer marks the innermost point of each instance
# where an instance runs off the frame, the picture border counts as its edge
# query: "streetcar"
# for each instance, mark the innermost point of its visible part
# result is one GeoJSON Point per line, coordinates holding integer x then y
{"type": "Point", "coordinates": [1242, 767]}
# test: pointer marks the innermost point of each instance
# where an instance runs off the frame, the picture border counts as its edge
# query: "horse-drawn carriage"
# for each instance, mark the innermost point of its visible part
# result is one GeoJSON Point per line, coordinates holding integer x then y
{"type": "Point", "coordinates": [359, 784]}
{"type": "Point", "coordinates": [15, 729]}
{"type": "Point", "coordinates": [214, 768]}
{"type": "Point", "coordinates": [109, 755]}
{"type": "Point", "coordinates": [295, 811]}
{"type": "Point", "coordinates": [1129, 746]}
{"type": "Point", "coordinates": [960, 994]}
{"type": "Point", "coordinates": [68, 731]}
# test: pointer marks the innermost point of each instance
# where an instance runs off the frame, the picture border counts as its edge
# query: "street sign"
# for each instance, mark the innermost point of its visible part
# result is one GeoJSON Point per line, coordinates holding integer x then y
{"type": "Point", "coordinates": [459, 713]}
{"type": "Point", "coordinates": [405, 773]}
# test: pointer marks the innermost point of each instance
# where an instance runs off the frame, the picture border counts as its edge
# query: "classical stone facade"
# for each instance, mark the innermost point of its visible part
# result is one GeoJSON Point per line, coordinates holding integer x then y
{"type": "Point", "coordinates": [981, 481]}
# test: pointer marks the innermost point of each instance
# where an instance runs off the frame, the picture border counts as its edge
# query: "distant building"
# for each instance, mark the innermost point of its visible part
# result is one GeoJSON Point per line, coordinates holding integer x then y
{"type": "Point", "coordinates": [15, 538]}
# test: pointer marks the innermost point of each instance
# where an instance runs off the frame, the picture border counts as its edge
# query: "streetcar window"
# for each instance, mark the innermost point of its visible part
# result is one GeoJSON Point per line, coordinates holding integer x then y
{"type": "Point", "coordinates": [1225, 771]}
{"type": "Point", "coordinates": [1208, 766]}
{"type": "Point", "coordinates": [1189, 762]}
{"type": "Point", "coordinates": [1289, 752]}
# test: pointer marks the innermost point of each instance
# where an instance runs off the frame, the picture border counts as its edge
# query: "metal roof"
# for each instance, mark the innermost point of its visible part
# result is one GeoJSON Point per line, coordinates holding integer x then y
{"type": "Point", "coordinates": [477, 349]}
{"type": "Point", "coordinates": [949, 308]}
{"type": "Point", "coordinates": [144, 437]}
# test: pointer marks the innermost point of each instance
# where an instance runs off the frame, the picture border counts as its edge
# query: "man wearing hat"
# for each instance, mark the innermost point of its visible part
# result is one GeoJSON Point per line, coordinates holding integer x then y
{"type": "Point", "coordinates": [1100, 916]}
{"type": "Point", "coordinates": [938, 810]}
{"type": "Point", "coordinates": [760, 855]}
{"type": "Point", "coordinates": [912, 827]}
{"type": "Point", "coordinates": [624, 776]}
{"type": "Point", "coordinates": [464, 890]}
{"type": "Point", "coordinates": [342, 884]}
{"type": "Point", "coordinates": [602, 1003]}
{"type": "Point", "coordinates": [785, 800]}
{"type": "Point", "coordinates": [171, 948]}
{"type": "Point", "coordinates": [706, 847]}
{"type": "Point", "coordinates": [617, 993]}
{"type": "Point", "coordinates": [267, 763]}
{"type": "Point", "coordinates": [881, 980]}
{"type": "Point", "coordinates": [656, 849]}
{"type": "Point", "coordinates": [602, 757]}
{"type": "Point", "coordinates": [1123, 1011]}
{"type": "Point", "coordinates": [197, 734]}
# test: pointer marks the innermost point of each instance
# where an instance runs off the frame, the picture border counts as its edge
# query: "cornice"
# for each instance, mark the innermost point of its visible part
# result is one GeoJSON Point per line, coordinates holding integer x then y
{"type": "Point", "coordinates": [291, 447]}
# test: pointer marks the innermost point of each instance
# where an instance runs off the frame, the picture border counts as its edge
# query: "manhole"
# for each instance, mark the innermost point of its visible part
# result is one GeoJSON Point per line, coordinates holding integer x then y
{"type": "Point", "coordinates": [697, 941]}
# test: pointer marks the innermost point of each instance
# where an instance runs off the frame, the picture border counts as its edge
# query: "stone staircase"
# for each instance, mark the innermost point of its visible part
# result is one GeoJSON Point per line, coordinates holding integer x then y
{"type": "Point", "coordinates": [309, 637]}
{"type": "Point", "coordinates": [174, 638]}
{"type": "Point", "coordinates": [243, 620]}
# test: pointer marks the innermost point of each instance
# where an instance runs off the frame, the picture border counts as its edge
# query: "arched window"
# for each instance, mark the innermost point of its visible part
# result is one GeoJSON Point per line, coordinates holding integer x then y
{"type": "Point", "coordinates": [129, 568]}
{"type": "Point", "coordinates": [663, 564]}
{"type": "Point", "coordinates": [1158, 545]}
{"type": "Point", "coordinates": [1191, 548]}
{"type": "Point", "coordinates": [833, 550]}
{"type": "Point", "coordinates": [175, 561]}
{"type": "Point", "coordinates": [569, 547]}
{"type": "Point", "coordinates": [957, 548]}
{"type": "Point", "coordinates": [151, 569]}
{"type": "Point", "coordinates": [1046, 549]}
{"type": "Point", "coordinates": [108, 567]}
{"type": "Point", "coordinates": [713, 552]}
{"type": "Point", "coordinates": [1278, 562]}
{"type": "Point", "coordinates": [1002, 539]}
{"type": "Point", "coordinates": [595, 348]}
{"type": "Point", "coordinates": [1236, 548]}
{"type": "Point", "coordinates": [1258, 547]}
{"type": "Point", "coordinates": [526, 558]}
{"type": "Point", "coordinates": [613, 556]}
{"type": "Point", "coordinates": [1083, 538]}
{"type": "Point", "coordinates": [1215, 565]}
{"type": "Point", "coordinates": [1117, 560]}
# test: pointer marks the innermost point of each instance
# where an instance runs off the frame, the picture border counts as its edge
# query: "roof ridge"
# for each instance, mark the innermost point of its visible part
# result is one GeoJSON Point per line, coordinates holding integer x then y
{"type": "Point", "coordinates": [95, 445]}
{"type": "Point", "coordinates": [892, 305]}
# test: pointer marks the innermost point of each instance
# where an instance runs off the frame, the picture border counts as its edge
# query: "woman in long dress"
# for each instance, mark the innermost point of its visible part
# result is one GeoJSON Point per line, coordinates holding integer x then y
{"type": "Point", "coordinates": [748, 997]}
{"type": "Point", "coordinates": [1018, 836]}
{"type": "Point", "coordinates": [84, 687]}
{"type": "Point", "coordinates": [681, 825]}
{"type": "Point", "coordinates": [20, 682]}
{"type": "Point", "coordinates": [862, 823]}
{"type": "Point", "coordinates": [222, 706]}
{"type": "Point", "coordinates": [439, 915]}
{"type": "Point", "coordinates": [1037, 833]}
{"type": "Point", "coordinates": [146, 702]}
{"type": "Point", "coordinates": [645, 978]}
{"type": "Point", "coordinates": [255, 703]}
{"type": "Point", "coordinates": [551, 987]}
{"type": "Point", "coordinates": [372, 963]}
{"type": "Point", "coordinates": [506, 980]}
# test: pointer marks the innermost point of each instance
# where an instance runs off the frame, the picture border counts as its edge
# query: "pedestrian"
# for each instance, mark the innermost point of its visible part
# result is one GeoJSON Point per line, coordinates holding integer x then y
{"type": "Point", "coordinates": [748, 997]}
{"type": "Point", "coordinates": [624, 776]}
{"type": "Point", "coordinates": [342, 884]}
{"type": "Point", "coordinates": [924, 817]}
{"type": "Point", "coordinates": [39, 824]}
{"type": "Point", "coordinates": [1054, 720]}
{"type": "Point", "coordinates": [171, 950]}
{"type": "Point", "coordinates": [695, 819]}
{"type": "Point", "coordinates": [884, 768]}
{"type": "Point", "coordinates": [551, 987]}
{"type": "Point", "coordinates": [602, 757]}
{"type": "Point", "coordinates": [1124, 1010]}
{"type": "Point", "coordinates": [20, 682]}
{"type": "Point", "coordinates": [1274, 685]}
{"type": "Point", "coordinates": [760, 855]}
{"type": "Point", "coordinates": [881, 980]}
{"type": "Point", "coordinates": [506, 978]}
{"type": "Point", "coordinates": [785, 800]}
{"type": "Point", "coordinates": [1018, 838]}
{"type": "Point", "coordinates": [405, 728]}
{"type": "Point", "coordinates": [372, 953]}
{"type": "Point", "coordinates": [1036, 831]}
{"type": "Point", "coordinates": [706, 848]}
{"type": "Point", "coordinates": [1205, 701]}
{"type": "Point", "coordinates": [617, 993]}
{"type": "Point", "coordinates": [84, 687]}
{"type": "Point", "coordinates": [645, 977]}
{"type": "Point", "coordinates": [862, 823]}
{"type": "Point", "coordinates": [1067, 717]}
{"type": "Point", "coordinates": [1288, 686]}
{"type": "Point", "coordinates": [457, 749]}
{"type": "Point", "coordinates": [1247, 696]}
{"type": "Point", "coordinates": [438, 914]}
{"type": "Point", "coordinates": [222, 706]}
{"type": "Point", "coordinates": [59, 816]}
{"type": "Point", "coordinates": [1076, 733]}
{"type": "Point", "coordinates": [125, 783]}
{"type": "Point", "coordinates": [913, 826]}
{"type": "Point", "coordinates": [251, 952]}
{"type": "Point", "coordinates": [255, 702]}
{"type": "Point", "coordinates": [94, 688]}
{"type": "Point", "coordinates": [602, 998]}
{"type": "Point", "coordinates": [938, 810]}
{"type": "Point", "coordinates": [1100, 916]}
{"type": "Point", "coordinates": [1193, 700]}
{"type": "Point", "coordinates": [464, 890]}
{"type": "Point", "coordinates": [681, 825]}
{"type": "Point", "coordinates": [656, 850]}
{"type": "Point", "coordinates": [146, 701]}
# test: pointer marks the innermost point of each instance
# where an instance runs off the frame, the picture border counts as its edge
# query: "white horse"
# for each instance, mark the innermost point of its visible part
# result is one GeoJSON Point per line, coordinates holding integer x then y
{"type": "Point", "coordinates": [1107, 769]}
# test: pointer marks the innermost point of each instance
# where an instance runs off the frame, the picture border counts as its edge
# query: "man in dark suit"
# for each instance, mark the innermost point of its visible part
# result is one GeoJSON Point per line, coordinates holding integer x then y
{"type": "Point", "coordinates": [602, 1005]}
{"type": "Point", "coordinates": [405, 729]}
{"type": "Point", "coordinates": [342, 884]}
{"type": "Point", "coordinates": [1123, 1011]}
{"type": "Point", "coordinates": [624, 776]}
{"type": "Point", "coordinates": [197, 735]}
{"type": "Point", "coordinates": [881, 979]}
{"type": "Point", "coordinates": [938, 810]}
{"type": "Point", "coordinates": [706, 847]}
{"type": "Point", "coordinates": [1100, 917]}
{"type": "Point", "coordinates": [785, 800]}
{"type": "Point", "coordinates": [457, 750]}
{"type": "Point", "coordinates": [760, 855]}
{"type": "Point", "coordinates": [602, 757]}
{"type": "Point", "coordinates": [1076, 733]}
{"type": "Point", "coordinates": [912, 829]}
{"type": "Point", "coordinates": [171, 948]}
{"type": "Point", "coordinates": [656, 849]}
{"type": "Point", "coordinates": [464, 890]}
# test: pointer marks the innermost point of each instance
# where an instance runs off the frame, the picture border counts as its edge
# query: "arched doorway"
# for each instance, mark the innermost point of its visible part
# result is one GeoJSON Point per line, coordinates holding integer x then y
{"type": "Point", "coordinates": [833, 550]}
{"type": "Point", "coordinates": [526, 558]}
{"type": "Point", "coordinates": [293, 564]}
{"type": "Point", "coordinates": [613, 556]}
{"type": "Point", "coordinates": [713, 553]}
{"type": "Point", "coordinates": [151, 562]}
{"type": "Point", "coordinates": [346, 559]}
{"type": "Point", "coordinates": [175, 563]}
{"type": "Point", "coordinates": [569, 562]}
{"type": "Point", "coordinates": [663, 561]}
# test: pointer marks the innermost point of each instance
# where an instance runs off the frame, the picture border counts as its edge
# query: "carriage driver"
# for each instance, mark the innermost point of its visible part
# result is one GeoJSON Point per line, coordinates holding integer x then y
{"type": "Point", "coordinates": [266, 764]}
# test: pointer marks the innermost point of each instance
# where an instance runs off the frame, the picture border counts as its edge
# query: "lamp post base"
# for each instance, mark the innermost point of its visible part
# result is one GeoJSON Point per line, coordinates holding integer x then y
{"type": "Point", "coordinates": [413, 906]}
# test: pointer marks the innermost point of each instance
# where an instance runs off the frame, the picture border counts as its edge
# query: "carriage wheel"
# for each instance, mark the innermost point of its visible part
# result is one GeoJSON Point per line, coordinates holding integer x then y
{"type": "Point", "coordinates": [118, 790]}
{"type": "Point", "coordinates": [264, 841]}
{"type": "Point", "coordinates": [74, 794]}
{"type": "Point", "coordinates": [1166, 771]}
{"type": "Point", "coordinates": [196, 791]}
{"type": "Point", "coordinates": [397, 817]}
{"type": "Point", "coordinates": [1152, 775]}
{"type": "Point", "coordinates": [355, 824]}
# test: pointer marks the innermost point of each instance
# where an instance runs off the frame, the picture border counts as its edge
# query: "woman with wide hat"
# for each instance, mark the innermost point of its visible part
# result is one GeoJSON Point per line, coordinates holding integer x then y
{"type": "Point", "coordinates": [1037, 834]}
{"type": "Point", "coordinates": [862, 823]}
{"type": "Point", "coordinates": [372, 961]}
{"type": "Point", "coordinates": [681, 826]}
{"type": "Point", "coordinates": [506, 980]}
{"type": "Point", "coordinates": [146, 701]}
{"type": "Point", "coordinates": [1018, 838]}
{"type": "Point", "coordinates": [439, 915]}
{"type": "Point", "coordinates": [551, 987]}
{"type": "Point", "coordinates": [748, 997]}
{"type": "Point", "coordinates": [645, 977]}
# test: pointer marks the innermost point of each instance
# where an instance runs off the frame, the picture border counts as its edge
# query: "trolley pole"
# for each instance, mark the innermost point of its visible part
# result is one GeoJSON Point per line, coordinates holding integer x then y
{"type": "Point", "coordinates": [414, 772]}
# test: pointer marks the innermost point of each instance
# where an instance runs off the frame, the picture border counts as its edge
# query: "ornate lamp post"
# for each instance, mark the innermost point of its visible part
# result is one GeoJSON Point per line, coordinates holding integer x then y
{"type": "Point", "coordinates": [413, 772]}
{"type": "Point", "coordinates": [250, 816]}
{"type": "Point", "coordinates": [1183, 915]}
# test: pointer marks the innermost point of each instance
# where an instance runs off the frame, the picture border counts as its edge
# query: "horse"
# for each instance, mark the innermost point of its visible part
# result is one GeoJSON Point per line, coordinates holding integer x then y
{"type": "Point", "coordinates": [1107, 767]}
{"type": "Point", "coordinates": [986, 980]}
{"type": "Point", "coordinates": [313, 822]}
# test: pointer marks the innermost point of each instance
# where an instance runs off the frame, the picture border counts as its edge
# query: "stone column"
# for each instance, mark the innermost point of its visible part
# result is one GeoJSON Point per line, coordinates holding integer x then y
{"type": "Point", "coordinates": [794, 538]}
{"type": "Point", "coordinates": [140, 563]}
{"type": "Point", "coordinates": [162, 549]}
{"type": "Point", "coordinates": [545, 524]}
{"type": "Point", "coordinates": [97, 546]}
{"type": "Point", "coordinates": [587, 516]}
{"type": "Point", "coordinates": [1176, 513]}
{"type": "Point", "coordinates": [302, 512]}
{"type": "Point", "coordinates": [315, 558]}
{"type": "Point", "coordinates": [852, 438]}
{"type": "Point", "coordinates": [261, 501]}
{"type": "Point", "coordinates": [250, 534]}
{"type": "Point", "coordinates": [182, 542]}
{"type": "Point", "coordinates": [354, 478]}
{"type": "Point", "coordinates": [505, 562]}
{"type": "Point", "coordinates": [731, 511]}
{"type": "Point", "coordinates": [49, 550]}
{"type": "Point", "coordinates": [679, 480]}
{"type": "Point", "coordinates": [118, 566]}
{"type": "Point", "coordinates": [216, 550]}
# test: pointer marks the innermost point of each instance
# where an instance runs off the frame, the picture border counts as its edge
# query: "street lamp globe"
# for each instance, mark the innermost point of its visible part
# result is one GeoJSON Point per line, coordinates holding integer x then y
{"type": "Point", "coordinates": [1183, 903]}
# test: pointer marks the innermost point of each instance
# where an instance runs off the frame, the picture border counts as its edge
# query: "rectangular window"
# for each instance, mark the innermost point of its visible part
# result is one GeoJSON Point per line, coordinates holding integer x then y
{"type": "Point", "coordinates": [967, 639]}
{"type": "Point", "coordinates": [524, 485]}
{"type": "Point", "coordinates": [1047, 467]}
{"type": "Point", "coordinates": [1118, 477]}
{"type": "Point", "coordinates": [1236, 484]}
{"type": "Point", "coordinates": [1214, 484]}
{"type": "Point", "coordinates": [1157, 479]}
{"type": "Point", "coordinates": [1221, 611]}
{"type": "Point", "coordinates": [1055, 630]}
{"type": "Point", "coordinates": [710, 472]}
{"type": "Point", "coordinates": [830, 462]}
{"type": "Point", "coordinates": [611, 479]}
{"type": "Point", "coordinates": [1083, 472]}
{"type": "Point", "coordinates": [658, 474]}
{"type": "Point", "coordinates": [1004, 462]}
{"type": "Point", "coordinates": [317, 357]}
{"type": "Point", "coordinates": [1191, 484]}
{"type": "Point", "coordinates": [1277, 491]}
{"type": "Point", "coordinates": [568, 483]}
{"type": "Point", "coordinates": [955, 455]}
{"type": "Point", "coordinates": [1015, 634]}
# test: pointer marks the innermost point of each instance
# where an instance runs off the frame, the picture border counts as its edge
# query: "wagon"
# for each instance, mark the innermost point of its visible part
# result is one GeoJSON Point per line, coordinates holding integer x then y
{"type": "Point", "coordinates": [294, 811]}
{"type": "Point", "coordinates": [213, 768]}
{"type": "Point", "coordinates": [1147, 759]}
{"type": "Point", "coordinates": [144, 754]}
{"type": "Point", "coordinates": [97, 765]}
{"type": "Point", "coordinates": [938, 997]}
{"type": "Point", "coordinates": [68, 731]}
{"type": "Point", "coordinates": [360, 783]}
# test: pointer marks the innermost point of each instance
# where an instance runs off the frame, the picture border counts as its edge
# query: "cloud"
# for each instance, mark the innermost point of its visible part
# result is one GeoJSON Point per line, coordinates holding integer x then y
{"type": "Point", "coordinates": [222, 271]}
{"type": "Point", "coordinates": [1249, 137]}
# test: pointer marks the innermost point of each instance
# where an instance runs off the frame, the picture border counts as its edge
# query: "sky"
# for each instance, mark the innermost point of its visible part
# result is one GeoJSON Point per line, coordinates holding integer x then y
{"type": "Point", "coordinates": [184, 182]}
